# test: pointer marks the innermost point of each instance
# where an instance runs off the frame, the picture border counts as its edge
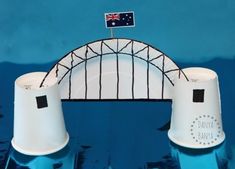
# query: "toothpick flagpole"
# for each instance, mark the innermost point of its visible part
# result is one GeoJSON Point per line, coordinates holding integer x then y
{"type": "Point", "coordinates": [111, 33]}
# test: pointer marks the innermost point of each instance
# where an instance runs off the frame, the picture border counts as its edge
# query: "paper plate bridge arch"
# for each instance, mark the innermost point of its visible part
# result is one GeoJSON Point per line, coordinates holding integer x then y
{"type": "Point", "coordinates": [115, 69]}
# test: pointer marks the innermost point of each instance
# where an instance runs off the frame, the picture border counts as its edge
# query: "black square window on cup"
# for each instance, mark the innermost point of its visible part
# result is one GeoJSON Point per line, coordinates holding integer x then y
{"type": "Point", "coordinates": [198, 95]}
{"type": "Point", "coordinates": [41, 101]}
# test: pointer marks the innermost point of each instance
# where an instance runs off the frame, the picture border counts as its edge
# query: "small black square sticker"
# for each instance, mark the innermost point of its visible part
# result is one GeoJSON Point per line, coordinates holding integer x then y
{"type": "Point", "coordinates": [41, 101]}
{"type": "Point", "coordinates": [198, 95]}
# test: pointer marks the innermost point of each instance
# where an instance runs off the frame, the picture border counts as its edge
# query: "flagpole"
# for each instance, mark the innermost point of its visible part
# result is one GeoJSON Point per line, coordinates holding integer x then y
{"type": "Point", "coordinates": [111, 33]}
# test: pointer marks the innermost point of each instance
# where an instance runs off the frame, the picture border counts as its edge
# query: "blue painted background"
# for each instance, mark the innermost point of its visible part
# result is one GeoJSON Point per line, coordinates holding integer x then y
{"type": "Point", "coordinates": [188, 31]}
{"type": "Point", "coordinates": [34, 34]}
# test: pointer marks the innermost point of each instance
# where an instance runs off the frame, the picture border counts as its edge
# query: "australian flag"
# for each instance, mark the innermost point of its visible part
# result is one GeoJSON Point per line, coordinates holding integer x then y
{"type": "Point", "coordinates": [119, 19]}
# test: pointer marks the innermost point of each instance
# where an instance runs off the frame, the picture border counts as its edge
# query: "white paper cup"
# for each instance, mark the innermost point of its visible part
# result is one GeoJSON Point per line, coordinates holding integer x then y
{"type": "Point", "coordinates": [196, 110]}
{"type": "Point", "coordinates": [39, 127]}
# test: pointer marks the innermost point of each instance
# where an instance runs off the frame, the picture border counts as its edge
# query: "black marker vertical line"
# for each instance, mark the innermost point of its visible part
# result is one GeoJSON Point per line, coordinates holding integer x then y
{"type": "Point", "coordinates": [70, 76]}
{"type": "Point", "coordinates": [148, 72]}
{"type": "Point", "coordinates": [117, 58]}
{"type": "Point", "coordinates": [85, 67]}
{"type": "Point", "coordinates": [57, 69]}
{"type": "Point", "coordinates": [163, 81]}
{"type": "Point", "coordinates": [133, 70]}
{"type": "Point", "coordinates": [179, 73]}
{"type": "Point", "coordinates": [100, 73]}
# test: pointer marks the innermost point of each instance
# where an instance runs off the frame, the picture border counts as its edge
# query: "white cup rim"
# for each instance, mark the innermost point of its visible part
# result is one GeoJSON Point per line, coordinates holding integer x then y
{"type": "Point", "coordinates": [38, 153]}
{"type": "Point", "coordinates": [199, 74]}
{"type": "Point", "coordinates": [179, 142]}
{"type": "Point", "coordinates": [32, 81]}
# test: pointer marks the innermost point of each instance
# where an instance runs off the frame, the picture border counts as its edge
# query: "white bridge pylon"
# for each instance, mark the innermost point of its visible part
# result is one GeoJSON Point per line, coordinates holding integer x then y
{"type": "Point", "coordinates": [115, 69]}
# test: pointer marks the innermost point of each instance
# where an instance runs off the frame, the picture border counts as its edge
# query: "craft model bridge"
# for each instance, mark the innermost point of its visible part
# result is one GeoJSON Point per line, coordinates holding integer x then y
{"type": "Point", "coordinates": [115, 69]}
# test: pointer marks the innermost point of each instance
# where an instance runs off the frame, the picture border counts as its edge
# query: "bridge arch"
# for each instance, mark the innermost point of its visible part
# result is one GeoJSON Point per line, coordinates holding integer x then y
{"type": "Point", "coordinates": [115, 69]}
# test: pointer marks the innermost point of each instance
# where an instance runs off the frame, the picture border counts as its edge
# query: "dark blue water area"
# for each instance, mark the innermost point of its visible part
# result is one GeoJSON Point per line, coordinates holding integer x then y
{"type": "Point", "coordinates": [110, 134]}
{"type": "Point", "coordinates": [121, 132]}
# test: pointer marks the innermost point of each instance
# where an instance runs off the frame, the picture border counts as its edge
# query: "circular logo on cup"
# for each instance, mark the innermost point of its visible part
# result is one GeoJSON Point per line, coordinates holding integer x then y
{"type": "Point", "coordinates": [205, 130]}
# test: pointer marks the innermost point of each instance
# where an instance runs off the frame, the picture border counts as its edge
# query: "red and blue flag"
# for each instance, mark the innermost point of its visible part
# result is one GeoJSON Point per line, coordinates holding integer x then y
{"type": "Point", "coordinates": [119, 19]}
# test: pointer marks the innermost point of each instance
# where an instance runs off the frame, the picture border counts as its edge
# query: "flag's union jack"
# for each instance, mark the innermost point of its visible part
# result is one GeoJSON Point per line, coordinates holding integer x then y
{"type": "Point", "coordinates": [112, 17]}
